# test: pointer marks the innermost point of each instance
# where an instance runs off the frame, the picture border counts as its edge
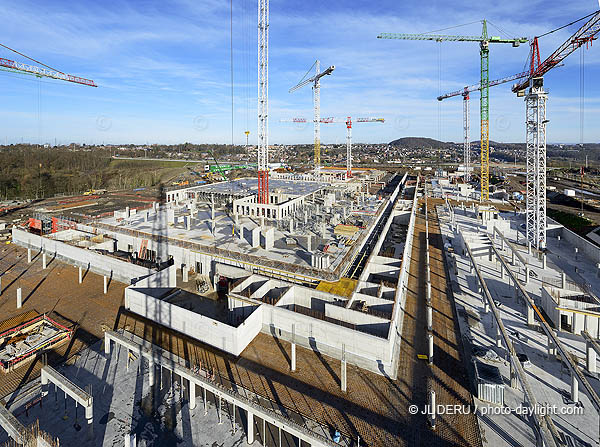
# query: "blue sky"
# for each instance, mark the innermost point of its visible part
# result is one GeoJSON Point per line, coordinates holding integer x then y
{"type": "Point", "coordinates": [163, 70]}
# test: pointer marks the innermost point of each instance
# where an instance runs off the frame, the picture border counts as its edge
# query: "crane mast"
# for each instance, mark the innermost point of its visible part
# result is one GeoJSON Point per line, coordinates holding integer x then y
{"type": "Point", "coordinates": [349, 148]}
{"type": "Point", "coordinates": [467, 143]}
{"type": "Point", "coordinates": [535, 119]}
{"type": "Point", "coordinates": [263, 101]}
{"type": "Point", "coordinates": [484, 111]}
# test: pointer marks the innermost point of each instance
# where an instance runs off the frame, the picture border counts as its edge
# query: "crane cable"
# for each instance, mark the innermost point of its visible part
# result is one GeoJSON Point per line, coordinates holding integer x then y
{"type": "Point", "coordinates": [30, 58]}
{"type": "Point", "coordinates": [568, 24]}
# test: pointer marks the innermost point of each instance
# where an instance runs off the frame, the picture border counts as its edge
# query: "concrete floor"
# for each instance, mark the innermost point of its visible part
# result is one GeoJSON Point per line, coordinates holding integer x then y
{"type": "Point", "coordinates": [550, 382]}
{"type": "Point", "coordinates": [57, 292]}
{"type": "Point", "coordinates": [123, 404]}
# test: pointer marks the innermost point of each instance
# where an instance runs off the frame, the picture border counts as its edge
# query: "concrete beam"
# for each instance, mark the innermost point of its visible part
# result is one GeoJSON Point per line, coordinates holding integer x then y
{"type": "Point", "coordinates": [80, 396]}
{"type": "Point", "coordinates": [544, 422]}
{"type": "Point", "coordinates": [176, 364]}
{"type": "Point", "coordinates": [573, 368]}
{"type": "Point", "coordinates": [11, 424]}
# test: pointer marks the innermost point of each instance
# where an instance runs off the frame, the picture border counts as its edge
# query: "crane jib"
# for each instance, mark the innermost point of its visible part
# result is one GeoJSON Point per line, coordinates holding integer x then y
{"type": "Point", "coordinates": [7, 63]}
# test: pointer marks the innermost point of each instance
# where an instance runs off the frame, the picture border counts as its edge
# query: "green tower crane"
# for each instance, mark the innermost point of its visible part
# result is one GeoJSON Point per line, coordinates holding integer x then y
{"type": "Point", "coordinates": [484, 41]}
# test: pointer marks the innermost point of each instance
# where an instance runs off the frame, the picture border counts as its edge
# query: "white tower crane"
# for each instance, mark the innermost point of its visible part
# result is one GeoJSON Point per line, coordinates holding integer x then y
{"type": "Point", "coordinates": [348, 122]}
{"type": "Point", "coordinates": [316, 81]}
{"type": "Point", "coordinates": [263, 101]}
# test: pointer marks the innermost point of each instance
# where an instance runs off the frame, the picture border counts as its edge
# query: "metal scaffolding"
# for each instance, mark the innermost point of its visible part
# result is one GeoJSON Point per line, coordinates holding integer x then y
{"type": "Point", "coordinates": [467, 143]}
{"type": "Point", "coordinates": [536, 121]}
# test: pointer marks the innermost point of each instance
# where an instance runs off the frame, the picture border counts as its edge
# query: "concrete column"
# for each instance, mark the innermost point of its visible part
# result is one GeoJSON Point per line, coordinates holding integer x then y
{"type": "Point", "coordinates": [241, 231]}
{"type": "Point", "coordinates": [498, 336]}
{"type": "Point", "coordinates": [544, 261]}
{"type": "Point", "coordinates": [590, 358]}
{"type": "Point", "coordinates": [192, 395]}
{"type": "Point", "coordinates": [574, 388]}
{"type": "Point", "coordinates": [428, 292]}
{"type": "Point", "coordinates": [80, 275]}
{"type": "Point", "coordinates": [130, 440]}
{"type": "Point", "coordinates": [250, 430]}
{"type": "Point", "coordinates": [44, 261]}
{"type": "Point", "coordinates": [293, 357]}
{"type": "Point", "coordinates": [29, 256]}
{"type": "Point", "coordinates": [527, 275]}
{"type": "Point", "coordinates": [514, 383]}
{"type": "Point", "coordinates": [530, 317]}
{"type": "Point", "coordinates": [343, 367]}
{"type": "Point", "coordinates": [19, 302]}
{"type": "Point", "coordinates": [105, 284]}
{"type": "Point", "coordinates": [106, 345]}
{"type": "Point", "coordinates": [486, 305]}
{"type": "Point", "coordinates": [551, 347]}
{"type": "Point", "coordinates": [432, 408]}
{"type": "Point", "coordinates": [151, 372]}
{"type": "Point", "coordinates": [89, 417]}
{"type": "Point", "coordinates": [563, 280]}
{"type": "Point", "coordinates": [185, 273]}
{"type": "Point", "coordinates": [576, 253]}
{"type": "Point", "coordinates": [205, 402]}
{"type": "Point", "coordinates": [429, 318]}
{"type": "Point", "coordinates": [220, 410]}
{"type": "Point", "coordinates": [430, 344]}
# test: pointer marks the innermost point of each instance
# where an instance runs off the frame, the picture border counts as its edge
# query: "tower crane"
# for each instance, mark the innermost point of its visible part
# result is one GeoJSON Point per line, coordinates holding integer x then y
{"type": "Point", "coordinates": [535, 120]}
{"type": "Point", "coordinates": [348, 122]}
{"type": "Point", "coordinates": [316, 81]}
{"type": "Point", "coordinates": [484, 40]}
{"type": "Point", "coordinates": [263, 101]}
{"type": "Point", "coordinates": [465, 94]}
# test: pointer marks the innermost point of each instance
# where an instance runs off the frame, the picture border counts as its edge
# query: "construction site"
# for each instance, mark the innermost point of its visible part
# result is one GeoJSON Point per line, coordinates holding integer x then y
{"type": "Point", "coordinates": [324, 306]}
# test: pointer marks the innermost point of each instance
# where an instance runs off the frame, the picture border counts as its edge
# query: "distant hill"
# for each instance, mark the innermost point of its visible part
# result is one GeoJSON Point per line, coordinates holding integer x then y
{"type": "Point", "coordinates": [420, 142]}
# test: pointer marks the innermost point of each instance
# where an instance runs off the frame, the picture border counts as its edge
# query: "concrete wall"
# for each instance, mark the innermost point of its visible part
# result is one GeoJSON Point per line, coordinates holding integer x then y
{"type": "Point", "coordinates": [363, 321]}
{"type": "Point", "coordinates": [164, 278]}
{"type": "Point", "coordinates": [362, 349]}
{"type": "Point", "coordinates": [550, 306]}
{"type": "Point", "coordinates": [213, 332]}
{"type": "Point", "coordinates": [101, 264]}
{"type": "Point", "coordinates": [402, 288]}
{"type": "Point", "coordinates": [587, 248]}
